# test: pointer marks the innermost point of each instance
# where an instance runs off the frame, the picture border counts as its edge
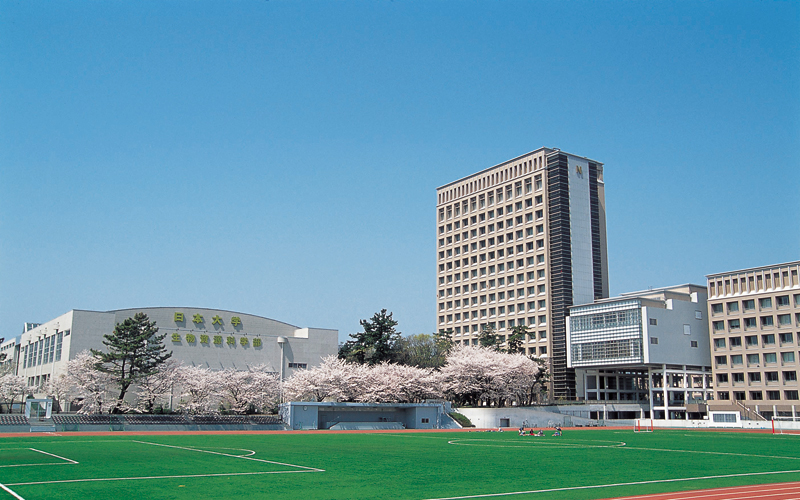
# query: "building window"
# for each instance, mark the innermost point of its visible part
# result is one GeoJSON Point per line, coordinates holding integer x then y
{"type": "Point", "coordinates": [654, 340]}
{"type": "Point", "coordinates": [716, 308]}
{"type": "Point", "coordinates": [721, 360]}
{"type": "Point", "coordinates": [766, 321]}
{"type": "Point", "coordinates": [752, 359]}
{"type": "Point", "coordinates": [749, 305]}
{"type": "Point", "coordinates": [653, 321]}
{"type": "Point", "coordinates": [722, 378]}
{"type": "Point", "coordinates": [751, 341]}
{"type": "Point", "coordinates": [791, 395]}
{"type": "Point", "coordinates": [298, 365]}
{"type": "Point", "coordinates": [736, 359]}
{"type": "Point", "coordinates": [790, 376]}
{"type": "Point", "coordinates": [754, 377]}
{"type": "Point", "coordinates": [733, 324]}
{"type": "Point", "coordinates": [773, 395]}
{"type": "Point", "coordinates": [723, 395]}
{"type": "Point", "coordinates": [693, 343]}
{"type": "Point", "coordinates": [785, 320]}
{"type": "Point", "coordinates": [738, 395]}
{"type": "Point", "coordinates": [786, 338]}
{"type": "Point", "coordinates": [719, 343]}
{"type": "Point", "coordinates": [755, 395]}
{"type": "Point", "coordinates": [718, 325]}
{"type": "Point", "coordinates": [732, 307]}
{"type": "Point", "coordinates": [765, 303]}
{"type": "Point", "coordinates": [749, 323]}
{"type": "Point", "coordinates": [768, 339]}
{"type": "Point", "coordinates": [771, 376]}
{"type": "Point", "coordinates": [782, 301]}
{"type": "Point", "coordinates": [735, 342]}
{"type": "Point", "coordinates": [770, 358]}
{"type": "Point", "coordinates": [787, 357]}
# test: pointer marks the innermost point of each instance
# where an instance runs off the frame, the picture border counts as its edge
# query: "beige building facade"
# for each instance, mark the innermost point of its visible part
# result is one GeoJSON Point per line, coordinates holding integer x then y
{"type": "Point", "coordinates": [517, 245]}
{"type": "Point", "coordinates": [754, 321]}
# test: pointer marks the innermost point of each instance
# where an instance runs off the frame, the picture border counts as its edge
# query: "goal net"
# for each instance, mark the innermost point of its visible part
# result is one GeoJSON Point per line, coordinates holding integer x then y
{"type": "Point", "coordinates": [643, 425]}
{"type": "Point", "coordinates": [786, 425]}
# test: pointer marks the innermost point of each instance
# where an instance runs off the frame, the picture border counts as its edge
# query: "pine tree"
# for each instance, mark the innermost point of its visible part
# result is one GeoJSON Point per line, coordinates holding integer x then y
{"type": "Point", "coordinates": [375, 344]}
{"type": "Point", "coordinates": [135, 351]}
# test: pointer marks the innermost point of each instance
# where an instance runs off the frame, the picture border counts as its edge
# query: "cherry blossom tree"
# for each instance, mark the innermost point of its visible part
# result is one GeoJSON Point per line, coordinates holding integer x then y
{"type": "Point", "coordinates": [200, 390]}
{"type": "Point", "coordinates": [476, 374]}
{"type": "Point", "coordinates": [90, 384]}
{"type": "Point", "coordinates": [155, 390]}
{"type": "Point", "coordinates": [12, 386]}
{"type": "Point", "coordinates": [333, 379]}
{"type": "Point", "coordinates": [59, 387]}
{"type": "Point", "coordinates": [257, 389]}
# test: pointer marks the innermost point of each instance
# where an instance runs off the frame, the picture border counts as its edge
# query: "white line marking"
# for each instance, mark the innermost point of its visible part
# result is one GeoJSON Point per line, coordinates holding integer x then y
{"type": "Point", "coordinates": [52, 455]}
{"type": "Point", "coordinates": [596, 486]}
{"type": "Point", "coordinates": [540, 443]}
{"type": "Point", "coordinates": [163, 477]}
{"type": "Point", "coordinates": [229, 455]}
{"type": "Point", "coordinates": [11, 491]}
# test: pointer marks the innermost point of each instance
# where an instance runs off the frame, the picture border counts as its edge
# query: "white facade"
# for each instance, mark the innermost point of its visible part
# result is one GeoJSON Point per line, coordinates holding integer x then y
{"type": "Point", "coordinates": [644, 346]}
{"type": "Point", "coordinates": [209, 338]}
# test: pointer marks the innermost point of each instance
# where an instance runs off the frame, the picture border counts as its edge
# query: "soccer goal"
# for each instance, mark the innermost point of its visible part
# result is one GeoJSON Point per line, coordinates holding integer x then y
{"type": "Point", "coordinates": [643, 425]}
{"type": "Point", "coordinates": [786, 425]}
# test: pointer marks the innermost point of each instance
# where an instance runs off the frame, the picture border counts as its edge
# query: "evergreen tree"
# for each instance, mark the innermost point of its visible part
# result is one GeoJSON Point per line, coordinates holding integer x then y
{"type": "Point", "coordinates": [489, 339]}
{"type": "Point", "coordinates": [515, 340]}
{"type": "Point", "coordinates": [375, 344]}
{"type": "Point", "coordinates": [135, 351]}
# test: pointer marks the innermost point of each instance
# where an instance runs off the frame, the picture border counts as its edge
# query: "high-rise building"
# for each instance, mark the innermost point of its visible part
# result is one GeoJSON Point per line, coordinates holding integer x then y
{"type": "Point", "coordinates": [754, 317]}
{"type": "Point", "coordinates": [517, 244]}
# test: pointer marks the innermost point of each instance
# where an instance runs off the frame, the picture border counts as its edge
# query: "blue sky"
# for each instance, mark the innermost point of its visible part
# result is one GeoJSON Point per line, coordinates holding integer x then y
{"type": "Point", "coordinates": [281, 158]}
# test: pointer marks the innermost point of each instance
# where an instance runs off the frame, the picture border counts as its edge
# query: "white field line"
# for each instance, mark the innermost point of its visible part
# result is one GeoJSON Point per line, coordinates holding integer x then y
{"type": "Point", "coordinates": [67, 461]}
{"type": "Point", "coordinates": [529, 444]}
{"type": "Point", "coordinates": [635, 483]}
{"type": "Point", "coordinates": [314, 469]}
{"type": "Point", "coordinates": [162, 477]}
{"type": "Point", "coordinates": [12, 492]}
{"type": "Point", "coordinates": [52, 455]}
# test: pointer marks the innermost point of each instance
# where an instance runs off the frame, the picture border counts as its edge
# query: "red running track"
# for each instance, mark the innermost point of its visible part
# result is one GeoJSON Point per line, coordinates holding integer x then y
{"type": "Point", "coordinates": [776, 491]}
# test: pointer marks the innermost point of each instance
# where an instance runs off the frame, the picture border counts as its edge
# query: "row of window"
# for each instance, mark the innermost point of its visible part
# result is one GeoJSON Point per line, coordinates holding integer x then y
{"type": "Point", "coordinates": [454, 236]}
{"type": "Point", "coordinates": [532, 305]}
{"type": "Point", "coordinates": [492, 269]}
{"type": "Point", "coordinates": [758, 395]}
{"type": "Point", "coordinates": [531, 351]}
{"type": "Point", "coordinates": [769, 358]}
{"type": "Point", "coordinates": [759, 282]}
{"type": "Point", "coordinates": [482, 315]}
{"type": "Point", "coordinates": [43, 351]}
{"type": "Point", "coordinates": [482, 287]}
{"type": "Point", "coordinates": [764, 303]}
{"type": "Point", "coordinates": [493, 215]}
{"type": "Point", "coordinates": [755, 377]}
{"type": "Point", "coordinates": [491, 242]}
{"type": "Point", "coordinates": [767, 340]}
{"type": "Point", "coordinates": [784, 321]}
{"type": "Point", "coordinates": [494, 196]}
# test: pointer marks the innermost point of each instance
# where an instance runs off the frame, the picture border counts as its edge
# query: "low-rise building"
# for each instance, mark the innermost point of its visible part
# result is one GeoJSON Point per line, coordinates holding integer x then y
{"type": "Point", "coordinates": [649, 347]}
{"type": "Point", "coordinates": [754, 317]}
{"type": "Point", "coordinates": [208, 338]}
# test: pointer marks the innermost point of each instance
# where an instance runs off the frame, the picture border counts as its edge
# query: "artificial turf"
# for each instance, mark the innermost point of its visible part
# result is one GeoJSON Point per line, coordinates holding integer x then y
{"type": "Point", "coordinates": [390, 465]}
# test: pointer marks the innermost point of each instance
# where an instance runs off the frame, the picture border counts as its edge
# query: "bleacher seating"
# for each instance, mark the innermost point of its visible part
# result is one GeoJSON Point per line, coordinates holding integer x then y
{"type": "Point", "coordinates": [13, 420]}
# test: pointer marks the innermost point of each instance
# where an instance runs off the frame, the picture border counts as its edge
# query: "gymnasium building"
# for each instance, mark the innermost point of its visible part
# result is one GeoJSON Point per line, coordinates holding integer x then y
{"type": "Point", "coordinates": [209, 338]}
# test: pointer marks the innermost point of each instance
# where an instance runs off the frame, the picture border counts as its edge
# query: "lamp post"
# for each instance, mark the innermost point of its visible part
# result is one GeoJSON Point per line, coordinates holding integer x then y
{"type": "Point", "coordinates": [282, 342]}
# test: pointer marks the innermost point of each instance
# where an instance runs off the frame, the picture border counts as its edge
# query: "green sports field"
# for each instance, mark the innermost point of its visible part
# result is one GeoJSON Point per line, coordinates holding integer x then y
{"type": "Point", "coordinates": [580, 464]}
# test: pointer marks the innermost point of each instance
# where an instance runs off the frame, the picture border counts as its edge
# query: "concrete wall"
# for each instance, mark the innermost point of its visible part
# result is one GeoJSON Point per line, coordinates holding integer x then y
{"type": "Point", "coordinates": [311, 415]}
{"type": "Point", "coordinates": [674, 346]}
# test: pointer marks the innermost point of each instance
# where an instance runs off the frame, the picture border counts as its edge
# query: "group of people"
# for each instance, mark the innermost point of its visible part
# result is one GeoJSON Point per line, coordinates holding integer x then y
{"type": "Point", "coordinates": [540, 433]}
